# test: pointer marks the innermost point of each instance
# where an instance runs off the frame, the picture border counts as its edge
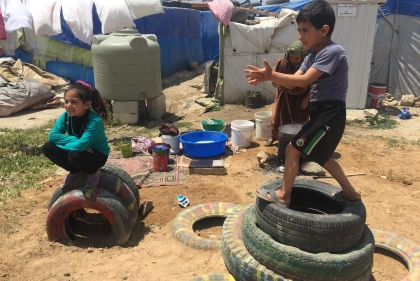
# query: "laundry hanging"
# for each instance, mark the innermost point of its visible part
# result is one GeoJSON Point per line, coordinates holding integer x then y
{"type": "Point", "coordinates": [78, 15]}
{"type": "Point", "coordinates": [46, 16]}
{"type": "Point", "coordinates": [114, 15]}
{"type": "Point", "coordinates": [142, 8]}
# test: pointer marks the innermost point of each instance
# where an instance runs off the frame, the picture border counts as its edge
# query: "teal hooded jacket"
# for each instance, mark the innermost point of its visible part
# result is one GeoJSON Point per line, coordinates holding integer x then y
{"type": "Point", "coordinates": [93, 136]}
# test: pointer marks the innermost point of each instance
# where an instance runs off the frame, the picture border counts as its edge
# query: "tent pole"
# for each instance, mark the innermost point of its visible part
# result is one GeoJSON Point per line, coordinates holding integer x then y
{"type": "Point", "coordinates": [219, 86]}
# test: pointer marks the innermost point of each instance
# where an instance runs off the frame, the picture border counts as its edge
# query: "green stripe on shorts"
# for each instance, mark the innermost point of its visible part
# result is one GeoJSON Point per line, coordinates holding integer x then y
{"type": "Point", "coordinates": [314, 141]}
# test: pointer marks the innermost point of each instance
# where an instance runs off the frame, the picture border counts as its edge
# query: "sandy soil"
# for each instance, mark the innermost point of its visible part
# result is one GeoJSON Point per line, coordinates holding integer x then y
{"type": "Point", "coordinates": [153, 254]}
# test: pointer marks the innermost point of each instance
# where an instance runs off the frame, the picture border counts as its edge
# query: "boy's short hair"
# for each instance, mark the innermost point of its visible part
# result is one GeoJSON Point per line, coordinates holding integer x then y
{"type": "Point", "coordinates": [319, 13]}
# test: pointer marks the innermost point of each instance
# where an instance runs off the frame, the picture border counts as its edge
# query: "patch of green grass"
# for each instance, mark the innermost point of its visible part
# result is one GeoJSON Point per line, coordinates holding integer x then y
{"type": "Point", "coordinates": [184, 125]}
{"type": "Point", "coordinates": [20, 171]}
{"type": "Point", "coordinates": [216, 108]}
{"type": "Point", "coordinates": [346, 140]}
{"type": "Point", "coordinates": [417, 142]}
{"type": "Point", "coordinates": [381, 122]}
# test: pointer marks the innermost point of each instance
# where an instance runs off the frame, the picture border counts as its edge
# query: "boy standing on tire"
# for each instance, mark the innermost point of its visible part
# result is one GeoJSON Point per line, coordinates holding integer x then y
{"type": "Point", "coordinates": [325, 70]}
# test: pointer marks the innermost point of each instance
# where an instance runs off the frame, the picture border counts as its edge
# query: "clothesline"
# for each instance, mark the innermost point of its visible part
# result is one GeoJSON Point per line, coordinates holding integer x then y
{"type": "Point", "coordinates": [43, 17]}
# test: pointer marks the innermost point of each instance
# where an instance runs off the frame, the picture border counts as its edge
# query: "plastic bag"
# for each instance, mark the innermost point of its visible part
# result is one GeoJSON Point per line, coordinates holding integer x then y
{"type": "Point", "coordinates": [114, 15]}
{"type": "Point", "coordinates": [142, 8]}
{"type": "Point", "coordinates": [16, 16]}
{"type": "Point", "coordinates": [78, 15]}
{"type": "Point", "coordinates": [404, 114]}
{"type": "Point", "coordinates": [46, 16]}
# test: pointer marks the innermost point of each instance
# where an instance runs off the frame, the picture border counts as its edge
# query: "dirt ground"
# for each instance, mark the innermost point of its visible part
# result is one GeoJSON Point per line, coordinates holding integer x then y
{"type": "Point", "coordinates": [153, 254]}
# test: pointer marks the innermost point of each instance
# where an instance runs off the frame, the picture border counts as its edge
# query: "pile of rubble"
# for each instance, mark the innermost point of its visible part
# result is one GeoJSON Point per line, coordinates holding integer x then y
{"type": "Point", "coordinates": [406, 100]}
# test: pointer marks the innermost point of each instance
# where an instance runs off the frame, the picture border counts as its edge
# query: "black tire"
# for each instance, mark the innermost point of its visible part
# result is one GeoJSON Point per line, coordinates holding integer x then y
{"type": "Point", "coordinates": [237, 258]}
{"type": "Point", "coordinates": [214, 277]}
{"type": "Point", "coordinates": [125, 177]}
{"type": "Point", "coordinates": [182, 225]}
{"type": "Point", "coordinates": [108, 169]}
{"type": "Point", "coordinates": [176, 4]}
{"type": "Point", "coordinates": [352, 265]}
{"type": "Point", "coordinates": [109, 181]}
{"type": "Point", "coordinates": [93, 198]}
{"type": "Point", "coordinates": [167, 3]}
{"type": "Point", "coordinates": [274, 2]}
{"type": "Point", "coordinates": [256, 4]}
{"type": "Point", "coordinates": [339, 230]}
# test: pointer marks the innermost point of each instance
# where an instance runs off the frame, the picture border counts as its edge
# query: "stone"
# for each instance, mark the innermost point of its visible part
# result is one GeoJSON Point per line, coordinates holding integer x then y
{"type": "Point", "coordinates": [417, 99]}
{"type": "Point", "coordinates": [312, 168]}
{"type": "Point", "coordinates": [66, 274]}
{"type": "Point", "coordinates": [392, 103]}
{"type": "Point", "coordinates": [125, 106]}
{"type": "Point", "coordinates": [407, 100]}
{"type": "Point", "coordinates": [267, 160]}
{"type": "Point", "coordinates": [407, 182]}
{"type": "Point", "coordinates": [370, 112]}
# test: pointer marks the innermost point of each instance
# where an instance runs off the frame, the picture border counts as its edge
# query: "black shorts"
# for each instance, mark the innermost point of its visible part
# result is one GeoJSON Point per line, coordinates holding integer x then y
{"type": "Point", "coordinates": [319, 138]}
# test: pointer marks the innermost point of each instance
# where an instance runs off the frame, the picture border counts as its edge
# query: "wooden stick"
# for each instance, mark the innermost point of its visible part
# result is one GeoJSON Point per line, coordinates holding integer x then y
{"type": "Point", "coordinates": [349, 175]}
{"type": "Point", "coordinates": [254, 11]}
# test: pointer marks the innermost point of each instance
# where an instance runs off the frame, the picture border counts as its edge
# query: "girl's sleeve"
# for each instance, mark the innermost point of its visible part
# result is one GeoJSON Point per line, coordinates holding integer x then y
{"type": "Point", "coordinates": [93, 129]}
{"type": "Point", "coordinates": [58, 134]}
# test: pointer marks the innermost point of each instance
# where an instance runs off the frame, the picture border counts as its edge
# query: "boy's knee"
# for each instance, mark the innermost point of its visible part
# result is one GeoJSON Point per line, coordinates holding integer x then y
{"type": "Point", "coordinates": [291, 151]}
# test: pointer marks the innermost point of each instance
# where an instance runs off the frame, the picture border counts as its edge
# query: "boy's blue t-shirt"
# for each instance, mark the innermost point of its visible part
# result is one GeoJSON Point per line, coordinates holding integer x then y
{"type": "Point", "coordinates": [333, 84]}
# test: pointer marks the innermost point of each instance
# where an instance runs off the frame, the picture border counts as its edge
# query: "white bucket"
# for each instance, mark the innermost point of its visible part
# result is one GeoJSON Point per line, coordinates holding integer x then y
{"type": "Point", "coordinates": [290, 129]}
{"type": "Point", "coordinates": [242, 133]}
{"type": "Point", "coordinates": [173, 141]}
{"type": "Point", "coordinates": [263, 125]}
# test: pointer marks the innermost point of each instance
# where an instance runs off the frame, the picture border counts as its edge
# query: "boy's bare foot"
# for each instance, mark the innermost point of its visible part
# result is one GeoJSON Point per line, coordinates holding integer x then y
{"type": "Point", "coordinates": [352, 195]}
{"type": "Point", "coordinates": [280, 197]}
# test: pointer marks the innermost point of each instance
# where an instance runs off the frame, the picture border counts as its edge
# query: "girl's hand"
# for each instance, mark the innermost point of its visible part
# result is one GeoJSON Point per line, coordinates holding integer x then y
{"type": "Point", "coordinates": [275, 85]}
{"type": "Point", "coordinates": [258, 75]}
{"type": "Point", "coordinates": [89, 150]}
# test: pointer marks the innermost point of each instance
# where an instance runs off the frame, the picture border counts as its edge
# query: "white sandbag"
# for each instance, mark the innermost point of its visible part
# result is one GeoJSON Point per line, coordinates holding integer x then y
{"type": "Point", "coordinates": [46, 16]}
{"type": "Point", "coordinates": [114, 15]}
{"type": "Point", "coordinates": [78, 15]}
{"type": "Point", "coordinates": [142, 8]}
{"type": "Point", "coordinates": [16, 16]}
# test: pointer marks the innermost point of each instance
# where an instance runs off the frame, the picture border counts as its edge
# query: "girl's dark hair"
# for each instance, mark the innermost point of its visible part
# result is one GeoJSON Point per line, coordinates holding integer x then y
{"type": "Point", "coordinates": [88, 93]}
{"type": "Point", "coordinates": [319, 13]}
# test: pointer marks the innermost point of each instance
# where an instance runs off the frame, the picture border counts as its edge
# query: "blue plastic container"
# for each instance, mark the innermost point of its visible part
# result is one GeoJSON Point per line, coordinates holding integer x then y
{"type": "Point", "coordinates": [203, 144]}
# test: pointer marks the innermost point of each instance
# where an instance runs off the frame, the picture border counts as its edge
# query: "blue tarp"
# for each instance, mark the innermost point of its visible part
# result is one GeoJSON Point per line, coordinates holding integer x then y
{"type": "Point", "coordinates": [209, 37]}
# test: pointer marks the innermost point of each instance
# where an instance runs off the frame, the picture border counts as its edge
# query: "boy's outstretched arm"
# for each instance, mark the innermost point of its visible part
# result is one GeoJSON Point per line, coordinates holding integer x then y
{"type": "Point", "coordinates": [299, 79]}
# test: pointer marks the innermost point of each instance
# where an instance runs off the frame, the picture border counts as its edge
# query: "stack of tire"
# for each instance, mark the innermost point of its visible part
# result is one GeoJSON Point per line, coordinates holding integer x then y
{"type": "Point", "coordinates": [320, 236]}
{"type": "Point", "coordinates": [116, 197]}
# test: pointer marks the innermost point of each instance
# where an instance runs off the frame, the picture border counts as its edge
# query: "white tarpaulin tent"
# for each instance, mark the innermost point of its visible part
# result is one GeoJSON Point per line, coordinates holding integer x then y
{"type": "Point", "coordinates": [396, 55]}
{"type": "Point", "coordinates": [245, 45]}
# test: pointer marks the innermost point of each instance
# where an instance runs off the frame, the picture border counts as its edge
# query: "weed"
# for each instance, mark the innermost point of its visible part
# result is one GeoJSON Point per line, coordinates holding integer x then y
{"type": "Point", "coordinates": [346, 140]}
{"type": "Point", "coordinates": [392, 177]}
{"type": "Point", "coordinates": [417, 142]}
{"type": "Point", "coordinates": [216, 108]}
{"type": "Point", "coordinates": [381, 122]}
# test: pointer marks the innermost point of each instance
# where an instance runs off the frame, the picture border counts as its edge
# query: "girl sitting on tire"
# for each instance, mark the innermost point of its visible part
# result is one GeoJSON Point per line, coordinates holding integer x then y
{"type": "Point", "coordinates": [77, 143]}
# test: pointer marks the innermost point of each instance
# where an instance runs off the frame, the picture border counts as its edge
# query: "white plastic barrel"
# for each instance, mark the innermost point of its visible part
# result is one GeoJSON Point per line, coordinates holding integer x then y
{"type": "Point", "coordinates": [173, 141]}
{"type": "Point", "coordinates": [241, 133]}
{"type": "Point", "coordinates": [262, 125]}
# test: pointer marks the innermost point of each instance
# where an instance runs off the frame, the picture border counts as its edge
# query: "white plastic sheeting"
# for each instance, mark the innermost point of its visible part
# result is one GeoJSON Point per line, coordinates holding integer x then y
{"type": "Point", "coordinates": [396, 56]}
{"type": "Point", "coordinates": [251, 44]}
